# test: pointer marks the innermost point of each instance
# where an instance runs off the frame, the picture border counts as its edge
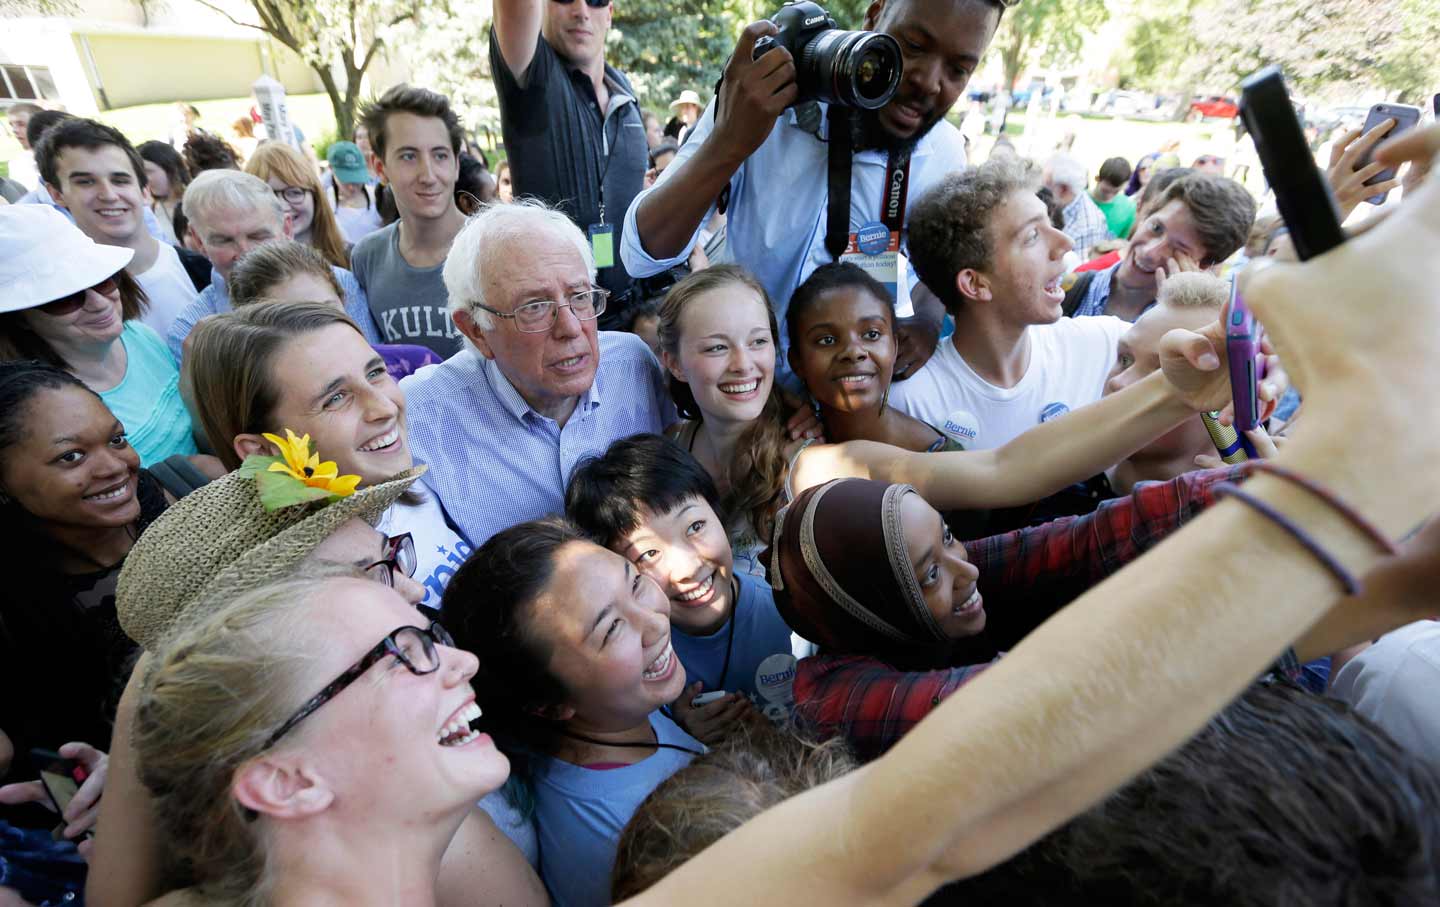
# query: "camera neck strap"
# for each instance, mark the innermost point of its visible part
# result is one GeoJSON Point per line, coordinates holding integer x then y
{"type": "Point", "coordinates": [840, 161]}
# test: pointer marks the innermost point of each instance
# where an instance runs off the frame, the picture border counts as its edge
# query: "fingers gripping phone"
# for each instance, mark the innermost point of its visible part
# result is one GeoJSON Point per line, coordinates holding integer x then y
{"type": "Point", "coordinates": [61, 779]}
{"type": "Point", "coordinates": [1405, 118]}
{"type": "Point", "coordinates": [1310, 215]}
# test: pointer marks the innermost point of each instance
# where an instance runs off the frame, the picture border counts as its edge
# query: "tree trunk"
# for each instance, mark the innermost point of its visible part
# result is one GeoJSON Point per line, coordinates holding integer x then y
{"type": "Point", "coordinates": [343, 107]}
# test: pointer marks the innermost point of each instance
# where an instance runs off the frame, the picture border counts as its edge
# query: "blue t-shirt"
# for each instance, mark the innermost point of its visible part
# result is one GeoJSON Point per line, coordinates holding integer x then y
{"type": "Point", "coordinates": [147, 400]}
{"type": "Point", "coordinates": [761, 664]}
{"type": "Point", "coordinates": [580, 813]}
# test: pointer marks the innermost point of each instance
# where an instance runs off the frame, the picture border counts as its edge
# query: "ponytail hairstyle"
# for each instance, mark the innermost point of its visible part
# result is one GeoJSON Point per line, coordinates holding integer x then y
{"type": "Point", "coordinates": [266, 267]}
{"type": "Point", "coordinates": [216, 690]}
{"type": "Point", "coordinates": [756, 476]}
{"type": "Point", "coordinates": [233, 367]}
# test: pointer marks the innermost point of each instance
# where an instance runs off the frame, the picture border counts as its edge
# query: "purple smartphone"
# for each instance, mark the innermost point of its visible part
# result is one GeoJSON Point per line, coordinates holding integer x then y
{"type": "Point", "coordinates": [1247, 364]}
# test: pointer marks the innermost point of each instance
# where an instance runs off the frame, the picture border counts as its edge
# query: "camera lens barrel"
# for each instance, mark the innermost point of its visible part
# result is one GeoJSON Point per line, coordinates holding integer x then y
{"type": "Point", "coordinates": [854, 68]}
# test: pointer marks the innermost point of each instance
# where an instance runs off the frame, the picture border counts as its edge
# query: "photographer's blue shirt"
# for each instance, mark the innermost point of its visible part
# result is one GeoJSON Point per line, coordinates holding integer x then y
{"type": "Point", "coordinates": [756, 643]}
{"type": "Point", "coordinates": [775, 223]}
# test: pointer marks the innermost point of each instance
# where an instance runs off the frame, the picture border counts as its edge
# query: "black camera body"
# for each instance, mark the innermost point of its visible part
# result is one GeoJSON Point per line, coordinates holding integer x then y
{"type": "Point", "coordinates": [853, 68]}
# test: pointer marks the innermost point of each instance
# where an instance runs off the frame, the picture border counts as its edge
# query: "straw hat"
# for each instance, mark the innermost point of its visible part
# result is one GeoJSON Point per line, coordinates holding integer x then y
{"type": "Point", "coordinates": [219, 538]}
{"type": "Point", "coordinates": [688, 96]}
{"type": "Point", "coordinates": [44, 257]}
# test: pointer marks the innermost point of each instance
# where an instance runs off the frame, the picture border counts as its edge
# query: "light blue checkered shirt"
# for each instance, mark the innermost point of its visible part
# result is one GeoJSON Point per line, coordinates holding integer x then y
{"type": "Point", "coordinates": [494, 461]}
{"type": "Point", "coordinates": [1097, 294]}
{"type": "Point", "coordinates": [215, 299]}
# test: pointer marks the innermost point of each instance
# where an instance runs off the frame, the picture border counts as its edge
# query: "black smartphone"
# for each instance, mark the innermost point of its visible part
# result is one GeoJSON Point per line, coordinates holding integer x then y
{"type": "Point", "coordinates": [1405, 117]}
{"type": "Point", "coordinates": [60, 777]}
{"type": "Point", "coordinates": [1301, 193]}
{"type": "Point", "coordinates": [1435, 105]}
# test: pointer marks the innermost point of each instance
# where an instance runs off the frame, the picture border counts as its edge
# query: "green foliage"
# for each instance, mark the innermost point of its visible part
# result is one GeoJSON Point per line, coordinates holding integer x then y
{"type": "Point", "coordinates": [665, 46]}
{"type": "Point", "coordinates": [1054, 31]}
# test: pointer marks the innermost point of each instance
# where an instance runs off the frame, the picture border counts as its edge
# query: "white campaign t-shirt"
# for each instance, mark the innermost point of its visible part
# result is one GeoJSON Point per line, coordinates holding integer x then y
{"type": "Point", "coordinates": [439, 551]}
{"type": "Point", "coordinates": [170, 290]}
{"type": "Point", "coordinates": [1069, 361]}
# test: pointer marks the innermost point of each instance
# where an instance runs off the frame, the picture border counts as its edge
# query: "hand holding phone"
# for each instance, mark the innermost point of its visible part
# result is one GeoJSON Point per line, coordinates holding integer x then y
{"type": "Point", "coordinates": [1247, 364]}
{"type": "Point", "coordinates": [70, 781]}
{"type": "Point", "coordinates": [1405, 118]}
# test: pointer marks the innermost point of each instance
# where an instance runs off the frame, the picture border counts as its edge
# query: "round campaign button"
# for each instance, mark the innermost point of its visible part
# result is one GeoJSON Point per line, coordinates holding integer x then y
{"type": "Point", "coordinates": [963, 428]}
{"type": "Point", "coordinates": [873, 238]}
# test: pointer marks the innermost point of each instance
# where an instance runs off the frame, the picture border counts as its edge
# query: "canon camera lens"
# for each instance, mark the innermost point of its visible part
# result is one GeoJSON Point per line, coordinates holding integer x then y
{"type": "Point", "coordinates": [855, 68]}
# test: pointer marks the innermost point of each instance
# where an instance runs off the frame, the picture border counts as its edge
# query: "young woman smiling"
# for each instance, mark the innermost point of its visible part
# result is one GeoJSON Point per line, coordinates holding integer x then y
{"type": "Point", "coordinates": [292, 178]}
{"type": "Point", "coordinates": [304, 366]}
{"type": "Point", "coordinates": [717, 336]}
{"type": "Point", "coordinates": [576, 664]}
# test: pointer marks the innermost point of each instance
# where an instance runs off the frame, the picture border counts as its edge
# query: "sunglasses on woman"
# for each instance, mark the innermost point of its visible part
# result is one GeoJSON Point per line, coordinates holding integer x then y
{"type": "Point", "coordinates": [67, 304]}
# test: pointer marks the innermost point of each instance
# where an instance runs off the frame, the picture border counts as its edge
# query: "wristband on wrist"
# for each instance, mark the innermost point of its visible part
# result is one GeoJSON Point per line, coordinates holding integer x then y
{"type": "Point", "coordinates": [1354, 516]}
{"type": "Point", "coordinates": [1326, 559]}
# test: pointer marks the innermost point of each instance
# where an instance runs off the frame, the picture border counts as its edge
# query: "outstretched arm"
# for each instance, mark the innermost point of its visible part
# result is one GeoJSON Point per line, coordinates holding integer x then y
{"type": "Point", "coordinates": [517, 30]}
{"type": "Point", "coordinates": [1137, 665]}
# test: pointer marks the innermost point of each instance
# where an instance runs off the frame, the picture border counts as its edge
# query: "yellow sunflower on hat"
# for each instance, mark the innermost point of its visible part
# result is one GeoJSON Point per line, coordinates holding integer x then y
{"type": "Point", "coordinates": [297, 475]}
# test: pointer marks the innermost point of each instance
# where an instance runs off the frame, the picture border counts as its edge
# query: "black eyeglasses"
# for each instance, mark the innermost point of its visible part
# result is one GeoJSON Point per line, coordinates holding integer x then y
{"type": "Point", "coordinates": [292, 195]}
{"type": "Point", "coordinates": [399, 558]}
{"type": "Point", "coordinates": [596, 3]}
{"type": "Point", "coordinates": [412, 646]}
{"type": "Point", "coordinates": [539, 316]}
{"type": "Point", "coordinates": [67, 304]}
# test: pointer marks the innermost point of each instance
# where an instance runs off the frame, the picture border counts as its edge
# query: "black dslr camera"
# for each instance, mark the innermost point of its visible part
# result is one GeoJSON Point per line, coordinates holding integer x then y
{"type": "Point", "coordinates": [854, 68]}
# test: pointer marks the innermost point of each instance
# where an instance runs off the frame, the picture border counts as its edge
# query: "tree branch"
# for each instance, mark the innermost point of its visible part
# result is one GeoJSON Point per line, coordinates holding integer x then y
{"type": "Point", "coordinates": [222, 12]}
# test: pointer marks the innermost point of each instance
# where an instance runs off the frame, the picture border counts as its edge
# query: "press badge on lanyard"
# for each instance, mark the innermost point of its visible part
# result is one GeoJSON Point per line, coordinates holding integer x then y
{"type": "Point", "coordinates": [875, 247]}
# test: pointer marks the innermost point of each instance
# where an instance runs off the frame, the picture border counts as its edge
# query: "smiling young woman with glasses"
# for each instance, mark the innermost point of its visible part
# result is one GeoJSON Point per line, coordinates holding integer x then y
{"type": "Point", "coordinates": [293, 180]}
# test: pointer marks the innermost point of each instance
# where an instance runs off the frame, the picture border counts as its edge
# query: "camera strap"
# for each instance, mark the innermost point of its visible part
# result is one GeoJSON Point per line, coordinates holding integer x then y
{"type": "Point", "coordinates": [839, 164]}
{"type": "Point", "coordinates": [841, 159]}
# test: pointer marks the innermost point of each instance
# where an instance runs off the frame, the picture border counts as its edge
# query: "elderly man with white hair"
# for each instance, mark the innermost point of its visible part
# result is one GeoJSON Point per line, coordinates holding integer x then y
{"type": "Point", "coordinates": [1085, 223]}
{"type": "Point", "coordinates": [537, 387]}
{"type": "Point", "coordinates": [230, 213]}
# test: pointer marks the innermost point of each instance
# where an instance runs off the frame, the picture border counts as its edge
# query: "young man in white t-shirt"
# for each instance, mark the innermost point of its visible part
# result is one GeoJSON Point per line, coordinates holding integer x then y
{"type": "Point", "coordinates": [94, 172]}
{"type": "Point", "coordinates": [983, 242]}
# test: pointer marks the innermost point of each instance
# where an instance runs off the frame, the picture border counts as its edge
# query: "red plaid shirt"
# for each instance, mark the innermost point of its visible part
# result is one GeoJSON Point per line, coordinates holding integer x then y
{"type": "Point", "coordinates": [1025, 576]}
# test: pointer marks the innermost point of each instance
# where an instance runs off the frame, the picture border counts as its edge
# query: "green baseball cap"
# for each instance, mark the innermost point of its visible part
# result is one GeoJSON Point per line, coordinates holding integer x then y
{"type": "Point", "coordinates": [347, 163]}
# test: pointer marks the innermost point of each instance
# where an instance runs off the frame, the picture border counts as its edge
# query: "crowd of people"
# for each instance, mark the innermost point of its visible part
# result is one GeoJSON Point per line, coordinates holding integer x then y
{"type": "Point", "coordinates": [775, 505]}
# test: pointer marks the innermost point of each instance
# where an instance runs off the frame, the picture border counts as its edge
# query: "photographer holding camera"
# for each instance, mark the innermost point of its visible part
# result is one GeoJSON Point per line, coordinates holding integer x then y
{"type": "Point", "coordinates": [800, 192]}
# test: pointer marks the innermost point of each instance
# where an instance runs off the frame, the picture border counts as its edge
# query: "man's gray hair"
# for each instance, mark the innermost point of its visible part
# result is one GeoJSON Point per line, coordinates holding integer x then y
{"type": "Point", "coordinates": [216, 190]}
{"type": "Point", "coordinates": [1067, 171]}
{"type": "Point", "coordinates": [493, 232]}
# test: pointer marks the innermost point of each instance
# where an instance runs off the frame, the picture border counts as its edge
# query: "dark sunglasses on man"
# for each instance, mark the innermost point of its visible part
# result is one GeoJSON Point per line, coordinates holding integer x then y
{"type": "Point", "coordinates": [67, 304]}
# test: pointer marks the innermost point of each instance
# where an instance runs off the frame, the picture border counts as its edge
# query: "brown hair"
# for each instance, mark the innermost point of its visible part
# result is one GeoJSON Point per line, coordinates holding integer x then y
{"type": "Point", "coordinates": [1223, 211]}
{"type": "Point", "coordinates": [217, 688]}
{"type": "Point", "coordinates": [757, 472]}
{"type": "Point", "coordinates": [231, 367]}
{"type": "Point", "coordinates": [422, 102]}
{"type": "Point", "coordinates": [279, 160]}
{"type": "Point", "coordinates": [950, 224]}
{"type": "Point", "coordinates": [1195, 290]}
{"type": "Point", "coordinates": [18, 341]}
{"type": "Point", "coordinates": [754, 769]}
{"type": "Point", "coordinates": [273, 263]}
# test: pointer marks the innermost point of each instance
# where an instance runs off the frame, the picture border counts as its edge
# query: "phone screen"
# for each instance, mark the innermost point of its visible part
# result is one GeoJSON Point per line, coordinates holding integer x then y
{"type": "Point", "coordinates": [60, 786]}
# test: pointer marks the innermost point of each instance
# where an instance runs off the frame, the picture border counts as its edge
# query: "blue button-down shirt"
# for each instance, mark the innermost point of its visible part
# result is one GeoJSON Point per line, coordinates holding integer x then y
{"type": "Point", "coordinates": [215, 299]}
{"type": "Point", "coordinates": [776, 219]}
{"type": "Point", "coordinates": [494, 461]}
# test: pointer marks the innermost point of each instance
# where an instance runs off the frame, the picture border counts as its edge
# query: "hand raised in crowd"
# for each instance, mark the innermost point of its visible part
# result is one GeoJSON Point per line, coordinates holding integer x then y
{"type": "Point", "coordinates": [1194, 364]}
{"type": "Point", "coordinates": [1416, 147]}
{"type": "Point", "coordinates": [712, 722]}
{"type": "Point", "coordinates": [84, 808]}
{"type": "Point", "coordinates": [753, 93]}
{"type": "Point", "coordinates": [803, 424]}
{"type": "Point", "coordinates": [1348, 182]}
{"type": "Point", "coordinates": [1266, 447]}
{"type": "Point", "coordinates": [1178, 263]}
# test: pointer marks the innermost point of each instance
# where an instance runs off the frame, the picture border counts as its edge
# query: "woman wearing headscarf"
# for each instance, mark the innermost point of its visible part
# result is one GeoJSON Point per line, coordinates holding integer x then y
{"type": "Point", "coordinates": [904, 613]}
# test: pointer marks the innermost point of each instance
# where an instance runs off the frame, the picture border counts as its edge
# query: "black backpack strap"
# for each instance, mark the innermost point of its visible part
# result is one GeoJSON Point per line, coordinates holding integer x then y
{"type": "Point", "coordinates": [1076, 294]}
{"type": "Point", "coordinates": [196, 266]}
{"type": "Point", "coordinates": [178, 475]}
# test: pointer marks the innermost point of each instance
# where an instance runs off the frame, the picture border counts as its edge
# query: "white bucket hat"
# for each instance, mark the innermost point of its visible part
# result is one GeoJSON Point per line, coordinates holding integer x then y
{"type": "Point", "coordinates": [688, 96]}
{"type": "Point", "coordinates": [44, 257]}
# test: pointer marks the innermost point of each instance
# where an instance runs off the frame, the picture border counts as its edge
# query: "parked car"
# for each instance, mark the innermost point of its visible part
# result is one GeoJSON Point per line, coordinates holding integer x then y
{"type": "Point", "coordinates": [1214, 106]}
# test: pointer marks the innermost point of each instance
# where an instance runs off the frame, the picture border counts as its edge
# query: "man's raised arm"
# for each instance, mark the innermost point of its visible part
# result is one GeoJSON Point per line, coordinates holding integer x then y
{"type": "Point", "coordinates": [752, 96]}
{"type": "Point", "coordinates": [517, 29]}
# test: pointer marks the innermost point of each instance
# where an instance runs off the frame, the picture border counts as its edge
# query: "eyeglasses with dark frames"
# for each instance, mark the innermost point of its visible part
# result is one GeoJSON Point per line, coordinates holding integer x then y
{"type": "Point", "coordinates": [411, 646]}
{"type": "Point", "coordinates": [399, 558]}
{"type": "Point", "coordinates": [67, 304]}
{"type": "Point", "coordinates": [292, 195]}
{"type": "Point", "coordinates": [539, 316]}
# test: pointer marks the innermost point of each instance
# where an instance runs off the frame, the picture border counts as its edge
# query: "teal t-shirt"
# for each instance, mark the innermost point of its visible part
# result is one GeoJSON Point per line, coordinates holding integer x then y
{"type": "Point", "coordinates": [147, 400]}
{"type": "Point", "coordinates": [1119, 214]}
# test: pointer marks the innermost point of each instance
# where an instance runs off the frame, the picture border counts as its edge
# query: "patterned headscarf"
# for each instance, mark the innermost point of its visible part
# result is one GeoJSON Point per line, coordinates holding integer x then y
{"type": "Point", "coordinates": [842, 575]}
